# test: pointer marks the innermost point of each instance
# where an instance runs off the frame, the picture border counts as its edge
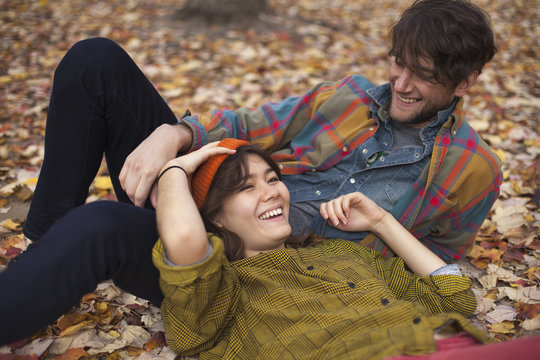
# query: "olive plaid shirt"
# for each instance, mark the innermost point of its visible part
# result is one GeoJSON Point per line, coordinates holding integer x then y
{"type": "Point", "coordinates": [445, 206]}
{"type": "Point", "coordinates": [335, 300]}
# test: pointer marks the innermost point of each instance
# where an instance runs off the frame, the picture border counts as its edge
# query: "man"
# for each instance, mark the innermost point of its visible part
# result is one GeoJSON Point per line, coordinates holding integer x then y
{"type": "Point", "coordinates": [404, 144]}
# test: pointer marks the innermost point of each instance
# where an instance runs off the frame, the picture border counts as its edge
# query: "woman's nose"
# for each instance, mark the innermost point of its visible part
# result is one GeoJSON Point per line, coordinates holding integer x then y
{"type": "Point", "coordinates": [269, 192]}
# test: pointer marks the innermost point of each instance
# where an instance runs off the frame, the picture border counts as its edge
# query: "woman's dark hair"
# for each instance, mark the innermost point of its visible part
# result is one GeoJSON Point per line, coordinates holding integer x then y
{"type": "Point", "coordinates": [231, 176]}
{"type": "Point", "coordinates": [455, 35]}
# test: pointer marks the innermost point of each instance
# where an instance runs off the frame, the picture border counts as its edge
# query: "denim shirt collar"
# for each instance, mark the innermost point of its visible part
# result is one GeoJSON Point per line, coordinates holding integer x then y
{"type": "Point", "coordinates": [382, 94]}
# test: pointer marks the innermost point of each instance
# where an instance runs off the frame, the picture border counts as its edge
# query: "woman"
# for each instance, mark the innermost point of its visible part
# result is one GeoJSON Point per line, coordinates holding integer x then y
{"type": "Point", "coordinates": [247, 290]}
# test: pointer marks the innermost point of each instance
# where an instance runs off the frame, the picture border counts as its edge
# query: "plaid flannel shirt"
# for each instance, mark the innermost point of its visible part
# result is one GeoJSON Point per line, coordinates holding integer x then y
{"type": "Point", "coordinates": [445, 206]}
{"type": "Point", "coordinates": [337, 300]}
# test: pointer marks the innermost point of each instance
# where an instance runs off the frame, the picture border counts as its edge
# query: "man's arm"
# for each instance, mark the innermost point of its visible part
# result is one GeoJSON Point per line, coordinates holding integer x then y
{"type": "Point", "coordinates": [142, 166]}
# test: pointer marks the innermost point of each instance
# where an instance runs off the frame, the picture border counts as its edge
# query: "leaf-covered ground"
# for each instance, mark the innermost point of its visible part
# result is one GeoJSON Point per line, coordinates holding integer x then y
{"type": "Point", "coordinates": [202, 67]}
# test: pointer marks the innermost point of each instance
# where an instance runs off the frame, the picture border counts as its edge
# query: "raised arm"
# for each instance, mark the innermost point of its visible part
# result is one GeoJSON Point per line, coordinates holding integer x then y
{"type": "Point", "coordinates": [356, 212]}
{"type": "Point", "coordinates": [180, 226]}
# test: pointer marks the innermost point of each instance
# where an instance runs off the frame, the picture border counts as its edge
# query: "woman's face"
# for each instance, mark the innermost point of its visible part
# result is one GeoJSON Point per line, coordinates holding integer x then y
{"type": "Point", "coordinates": [259, 212]}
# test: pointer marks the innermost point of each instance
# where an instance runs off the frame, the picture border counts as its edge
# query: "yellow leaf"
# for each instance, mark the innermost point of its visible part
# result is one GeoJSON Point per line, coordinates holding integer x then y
{"type": "Point", "coordinates": [87, 324]}
{"type": "Point", "coordinates": [500, 154]}
{"type": "Point", "coordinates": [103, 183]}
{"type": "Point", "coordinates": [505, 327]}
{"type": "Point", "coordinates": [31, 181]}
{"type": "Point", "coordinates": [12, 225]}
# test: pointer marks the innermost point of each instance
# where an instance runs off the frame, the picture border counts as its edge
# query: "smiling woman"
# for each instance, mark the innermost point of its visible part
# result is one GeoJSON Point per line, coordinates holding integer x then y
{"type": "Point", "coordinates": [246, 289]}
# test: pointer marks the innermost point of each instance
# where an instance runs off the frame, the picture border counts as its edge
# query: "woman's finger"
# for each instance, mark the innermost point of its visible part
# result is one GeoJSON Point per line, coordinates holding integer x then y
{"type": "Point", "coordinates": [338, 210]}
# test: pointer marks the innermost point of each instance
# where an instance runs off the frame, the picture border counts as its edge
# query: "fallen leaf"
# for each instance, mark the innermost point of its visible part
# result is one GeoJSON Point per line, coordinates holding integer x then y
{"type": "Point", "coordinates": [506, 327]}
{"type": "Point", "coordinates": [531, 324]}
{"type": "Point", "coordinates": [501, 313]}
{"type": "Point", "coordinates": [23, 193]}
{"type": "Point", "coordinates": [157, 339]}
{"type": "Point", "coordinates": [103, 183]}
{"type": "Point", "coordinates": [72, 354]}
{"type": "Point", "coordinates": [12, 225]}
{"type": "Point", "coordinates": [87, 324]}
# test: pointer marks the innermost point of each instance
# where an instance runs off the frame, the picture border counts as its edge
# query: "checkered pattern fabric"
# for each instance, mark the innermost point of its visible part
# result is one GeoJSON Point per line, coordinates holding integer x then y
{"type": "Point", "coordinates": [335, 300]}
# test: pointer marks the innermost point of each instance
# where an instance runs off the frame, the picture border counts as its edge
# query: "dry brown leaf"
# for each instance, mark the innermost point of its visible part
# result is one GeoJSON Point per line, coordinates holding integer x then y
{"type": "Point", "coordinates": [86, 324]}
{"type": "Point", "coordinates": [23, 193]}
{"type": "Point", "coordinates": [506, 327]}
{"type": "Point", "coordinates": [501, 313]}
{"type": "Point", "coordinates": [72, 354]}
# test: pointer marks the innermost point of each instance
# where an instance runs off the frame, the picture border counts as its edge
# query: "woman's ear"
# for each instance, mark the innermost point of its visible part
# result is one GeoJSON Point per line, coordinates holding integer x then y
{"type": "Point", "coordinates": [217, 222]}
{"type": "Point", "coordinates": [464, 86]}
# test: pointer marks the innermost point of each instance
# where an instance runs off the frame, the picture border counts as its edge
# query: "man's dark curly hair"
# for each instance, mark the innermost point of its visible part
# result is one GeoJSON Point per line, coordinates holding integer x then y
{"type": "Point", "coordinates": [455, 35]}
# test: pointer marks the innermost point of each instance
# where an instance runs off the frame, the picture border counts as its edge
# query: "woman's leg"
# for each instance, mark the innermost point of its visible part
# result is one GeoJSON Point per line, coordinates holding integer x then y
{"type": "Point", "coordinates": [100, 103]}
{"type": "Point", "coordinates": [92, 243]}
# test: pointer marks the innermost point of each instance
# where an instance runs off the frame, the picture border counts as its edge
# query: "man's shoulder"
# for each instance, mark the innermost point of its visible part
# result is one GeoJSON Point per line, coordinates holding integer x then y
{"type": "Point", "coordinates": [359, 81]}
{"type": "Point", "coordinates": [466, 142]}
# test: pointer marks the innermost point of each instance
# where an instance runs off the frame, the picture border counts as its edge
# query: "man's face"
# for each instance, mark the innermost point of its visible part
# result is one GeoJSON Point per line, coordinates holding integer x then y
{"type": "Point", "coordinates": [417, 97]}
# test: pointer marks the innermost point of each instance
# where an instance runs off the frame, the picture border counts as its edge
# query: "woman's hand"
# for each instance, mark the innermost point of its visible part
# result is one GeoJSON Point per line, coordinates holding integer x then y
{"type": "Point", "coordinates": [352, 212]}
{"type": "Point", "coordinates": [190, 163]}
{"type": "Point", "coordinates": [356, 212]}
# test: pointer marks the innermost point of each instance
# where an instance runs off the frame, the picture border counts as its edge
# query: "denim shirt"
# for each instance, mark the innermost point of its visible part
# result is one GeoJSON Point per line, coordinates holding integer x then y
{"type": "Point", "coordinates": [373, 168]}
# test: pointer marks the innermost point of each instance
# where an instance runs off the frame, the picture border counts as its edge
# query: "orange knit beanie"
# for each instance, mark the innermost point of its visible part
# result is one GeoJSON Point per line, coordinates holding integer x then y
{"type": "Point", "coordinates": [202, 178]}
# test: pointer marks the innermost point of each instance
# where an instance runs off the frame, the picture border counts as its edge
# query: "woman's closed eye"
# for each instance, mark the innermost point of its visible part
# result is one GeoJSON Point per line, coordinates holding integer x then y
{"type": "Point", "coordinates": [246, 187]}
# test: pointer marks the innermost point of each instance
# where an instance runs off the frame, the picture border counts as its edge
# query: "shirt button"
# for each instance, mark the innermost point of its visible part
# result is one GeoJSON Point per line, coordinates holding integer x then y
{"type": "Point", "coordinates": [318, 192]}
{"type": "Point", "coordinates": [310, 267]}
{"type": "Point", "coordinates": [417, 155]}
{"type": "Point", "coordinates": [344, 149]}
{"type": "Point", "coordinates": [371, 128]}
{"type": "Point", "coordinates": [364, 151]}
{"type": "Point", "coordinates": [352, 181]}
{"type": "Point", "coordinates": [384, 301]}
{"type": "Point", "coordinates": [351, 285]}
{"type": "Point", "coordinates": [313, 170]}
{"type": "Point", "coordinates": [385, 143]}
{"type": "Point", "coordinates": [280, 167]}
{"type": "Point", "coordinates": [416, 320]}
{"type": "Point", "coordinates": [382, 158]}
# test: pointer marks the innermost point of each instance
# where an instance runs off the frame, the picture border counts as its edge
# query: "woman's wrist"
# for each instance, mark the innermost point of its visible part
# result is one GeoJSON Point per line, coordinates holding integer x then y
{"type": "Point", "coordinates": [380, 227]}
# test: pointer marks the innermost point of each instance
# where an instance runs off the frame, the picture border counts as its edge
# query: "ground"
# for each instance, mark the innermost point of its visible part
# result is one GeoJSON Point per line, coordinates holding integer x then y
{"type": "Point", "coordinates": [203, 66]}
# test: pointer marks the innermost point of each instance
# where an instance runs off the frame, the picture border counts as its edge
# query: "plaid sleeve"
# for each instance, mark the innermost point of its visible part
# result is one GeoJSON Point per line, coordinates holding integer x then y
{"type": "Point", "coordinates": [270, 126]}
{"type": "Point", "coordinates": [439, 293]}
{"type": "Point", "coordinates": [199, 299]}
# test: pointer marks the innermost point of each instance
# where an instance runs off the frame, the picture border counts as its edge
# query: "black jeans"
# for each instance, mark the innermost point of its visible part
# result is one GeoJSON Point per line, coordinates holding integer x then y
{"type": "Point", "coordinates": [101, 103]}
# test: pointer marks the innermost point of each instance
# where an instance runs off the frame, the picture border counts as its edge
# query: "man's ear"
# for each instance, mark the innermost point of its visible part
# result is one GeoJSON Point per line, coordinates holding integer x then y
{"type": "Point", "coordinates": [464, 86]}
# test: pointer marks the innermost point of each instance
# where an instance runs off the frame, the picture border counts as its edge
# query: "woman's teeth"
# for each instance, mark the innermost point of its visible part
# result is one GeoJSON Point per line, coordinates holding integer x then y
{"type": "Point", "coordinates": [271, 213]}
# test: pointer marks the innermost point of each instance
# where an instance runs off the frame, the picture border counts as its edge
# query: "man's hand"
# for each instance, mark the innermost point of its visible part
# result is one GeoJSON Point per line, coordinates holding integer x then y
{"type": "Point", "coordinates": [144, 163]}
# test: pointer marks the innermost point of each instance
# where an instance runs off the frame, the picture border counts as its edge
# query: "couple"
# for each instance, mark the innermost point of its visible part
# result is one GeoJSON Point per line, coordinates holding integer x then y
{"type": "Point", "coordinates": [404, 145]}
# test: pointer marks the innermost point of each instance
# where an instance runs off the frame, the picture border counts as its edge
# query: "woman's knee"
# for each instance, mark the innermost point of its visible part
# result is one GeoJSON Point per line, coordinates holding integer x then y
{"type": "Point", "coordinates": [110, 216]}
{"type": "Point", "coordinates": [94, 53]}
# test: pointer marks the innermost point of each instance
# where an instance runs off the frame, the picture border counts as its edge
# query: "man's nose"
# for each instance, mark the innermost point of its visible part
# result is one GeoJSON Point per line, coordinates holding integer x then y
{"type": "Point", "coordinates": [403, 83]}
